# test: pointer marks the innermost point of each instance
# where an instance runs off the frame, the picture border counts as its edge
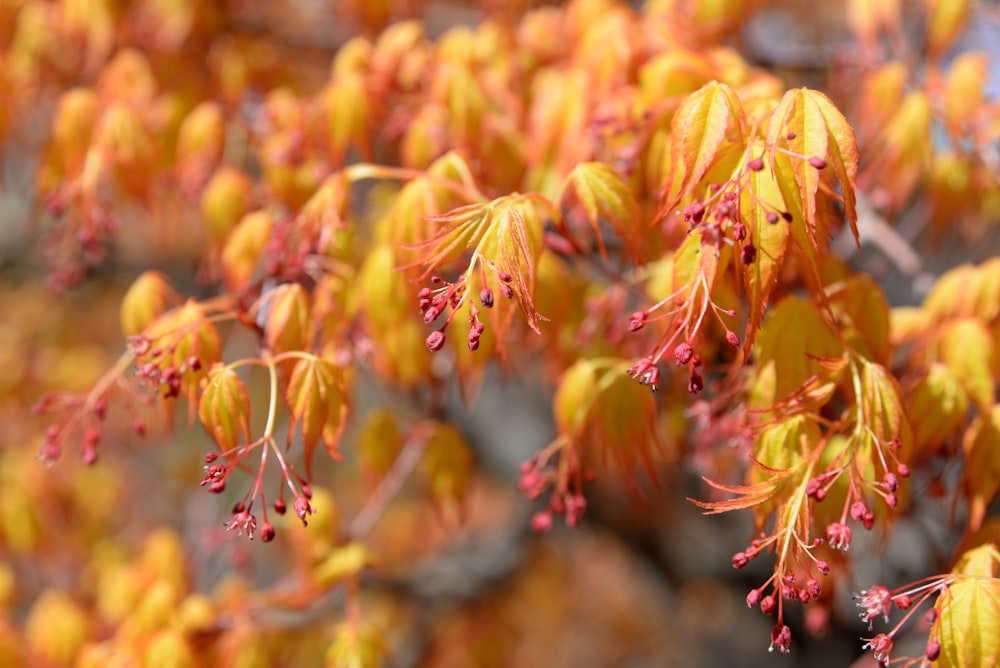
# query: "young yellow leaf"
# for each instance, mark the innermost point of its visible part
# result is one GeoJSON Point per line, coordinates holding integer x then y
{"type": "Point", "coordinates": [966, 347]}
{"type": "Point", "coordinates": [939, 400]}
{"type": "Point", "coordinates": [343, 562]}
{"type": "Point", "coordinates": [795, 338]}
{"type": "Point", "coordinates": [949, 297]}
{"type": "Point", "coordinates": [945, 21]}
{"type": "Point", "coordinates": [969, 623]}
{"type": "Point", "coordinates": [355, 647]}
{"type": "Point", "coordinates": [882, 406]}
{"type": "Point", "coordinates": [574, 397]}
{"type": "Point", "coordinates": [694, 260]}
{"type": "Point", "coordinates": [446, 467]}
{"type": "Point", "coordinates": [860, 306]}
{"type": "Point", "coordinates": [783, 445]}
{"type": "Point", "coordinates": [605, 197]}
{"type": "Point", "coordinates": [379, 443]}
{"type": "Point", "coordinates": [981, 448]}
{"type": "Point", "coordinates": [224, 408]}
{"type": "Point", "coordinates": [759, 203]}
{"type": "Point", "coordinates": [982, 561]}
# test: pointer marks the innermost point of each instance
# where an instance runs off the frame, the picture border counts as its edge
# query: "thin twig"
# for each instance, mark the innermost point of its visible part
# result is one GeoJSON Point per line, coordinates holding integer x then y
{"type": "Point", "coordinates": [388, 487]}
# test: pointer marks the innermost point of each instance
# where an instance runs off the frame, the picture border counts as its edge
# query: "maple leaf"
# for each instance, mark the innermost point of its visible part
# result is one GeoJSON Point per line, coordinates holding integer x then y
{"type": "Point", "coordinates": [708, 129]}
{"type": "Point", "coordinates": [758, 203]}
{"type": "Point", "coordinates": [797, 342]}
{"type": "Point", "coordinates": [966, 347]}
{"type": "Point", "coordinates": [317, 402]}
{"type": "Point", "coordinates": [806, 130]}
{"type": "Point", "coordinates": [504, 234]}
{"type": "Point", "coordinates": [982, 465]}
{"type": "Point", "coordinates": [748, 496]}
{"type": "Point", "coordinates": [224, 408]}
{"type": "Point", "coordinates": [968, 623]}
{"type": "Point", "coordinates": [604, 196]}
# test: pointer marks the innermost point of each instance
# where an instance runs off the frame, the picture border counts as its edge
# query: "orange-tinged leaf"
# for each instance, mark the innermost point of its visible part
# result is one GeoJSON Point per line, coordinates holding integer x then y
{"type": "Point", "coordinates": [315, 399]}
{"type": "Point", "coordinates": [981, 448]}
{"type": "Point", "coordinates": [224, 408]}
{"type": "Point", "coordinates": [461, 230]}
{"type": "Point", "coordinates": [518, 234]}
{"type": "Point", "coordinates": [288, 323]}
{"type": "Point", "coordinates": [604, 196]}
{"type": "Point", "coordinates": [514, 245]}
{"type": "Point", "coordinates": [709, 120]}
{"type": "Point", "coordinates": [842, 154]}
{"type": "Point", "coordinates": [799, 117]}
{"type": "Point", "coordinates": [966, 347]}
{"type": "Point", "coordinates": [748, 496]}
{"type": "Point", "coordinates": [244, 247]}
{"type": "Point", "coordinates": [186, 333]}
{"type": "Point", "coordinates": [969, 623]}
{"type": "Point", "coordinates": [945, 20]}
{"type": "Point", "coordinates": [149, 296]}
{"type": "Point", "coordinates": [869, 19]}
{"type": "Point", "coordinates": [762, 198]}
{"type": "Point", "coordinates": [963, 92]}
{"type": "Point", "coordinates": [939, 400]}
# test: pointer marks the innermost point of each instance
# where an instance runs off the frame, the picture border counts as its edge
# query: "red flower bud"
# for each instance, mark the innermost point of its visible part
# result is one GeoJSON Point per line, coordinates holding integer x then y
{"type": "Point", "coordinates": [683, 353]}
{"type": "Point", "coordinates": [435, 341]}
{"type": "Point", "coordinates": [817, 162]}
{"type": "Point", "coordinates": [636, 321]}
{"type": "Point", "coordinates": [541, 522]}
{"type": "Point", "coordinates": [695, 383]}
{"type": "Point", "coordinates": [267, 533]}
{"type": "Point", "coordinates": [756, 164]}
